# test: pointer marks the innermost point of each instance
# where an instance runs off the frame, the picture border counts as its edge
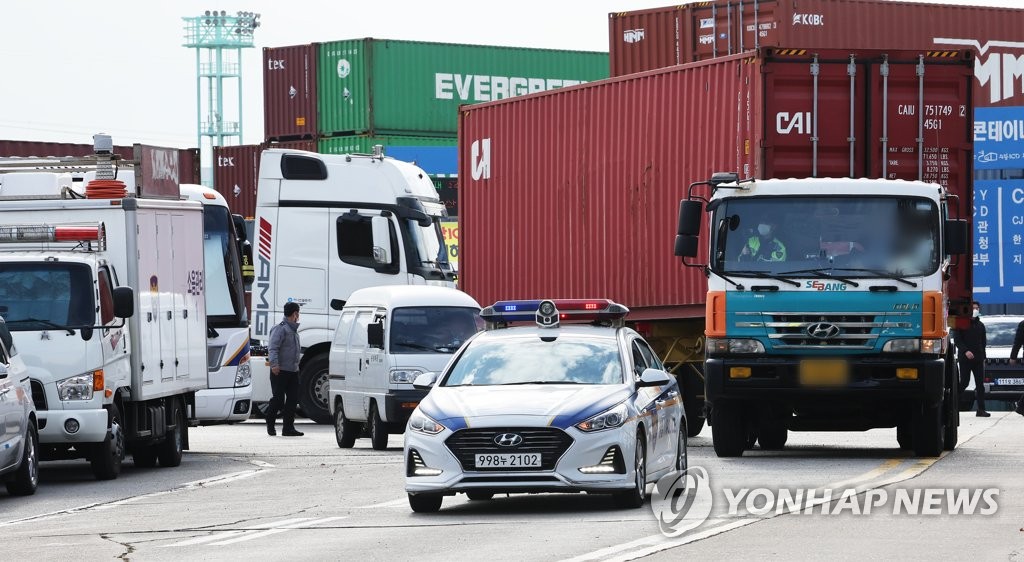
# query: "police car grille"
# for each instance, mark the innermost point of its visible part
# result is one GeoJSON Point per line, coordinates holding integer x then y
{"type": "Point", "coordinates": [856, 331]}
{"type": "Point", "coordinates": [38, 396]}
{"type": "Point", "coordinates": [550, 442]}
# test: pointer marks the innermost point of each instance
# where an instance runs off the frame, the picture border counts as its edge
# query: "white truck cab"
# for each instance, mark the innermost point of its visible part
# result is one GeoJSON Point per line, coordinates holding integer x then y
{"type": "Point", "coordinates": [386, 337]}
{"type": "Point", "coordinates": [327, 225]}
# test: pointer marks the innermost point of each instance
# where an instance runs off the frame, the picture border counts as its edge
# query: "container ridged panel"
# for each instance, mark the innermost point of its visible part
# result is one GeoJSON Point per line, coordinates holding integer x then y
{"type": "Point", "coordinates": [289, 92]}
{"type": "Point", "coordinates": [643, 40]}
{"type": "Point", "coordinates": [343, 86]}
{"type": "Point", "coordinates": [234, 176]}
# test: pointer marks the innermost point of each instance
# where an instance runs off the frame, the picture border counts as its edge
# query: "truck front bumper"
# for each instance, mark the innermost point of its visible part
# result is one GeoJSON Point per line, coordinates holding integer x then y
{"type": "Point", "coordinates": [399, 404]}
{"type": "Point", "coordinates": [223, 405]}
{"type": "Point", "coordinates": [54, 425]}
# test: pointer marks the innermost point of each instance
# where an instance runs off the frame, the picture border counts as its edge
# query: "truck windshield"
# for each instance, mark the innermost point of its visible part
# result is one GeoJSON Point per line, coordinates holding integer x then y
{"type": "Point", "coordinates": [223, 275]}
{"type": "Point", "coordinates": [39, 296]}
{"type": "Point", "coordinates": [854, 236]}
{"type": "Point", "coordinates": [435, 329]}
{"type": "Point", "coordinates": [429, 243]}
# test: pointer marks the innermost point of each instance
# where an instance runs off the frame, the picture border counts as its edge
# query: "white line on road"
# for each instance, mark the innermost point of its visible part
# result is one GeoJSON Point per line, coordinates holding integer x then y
{"type": "Point", "coordinates": [393, 503]}
{"type": "Point", "coordinates": [276, 530]}
{"type": "Point", "coordinates": [221, 535]}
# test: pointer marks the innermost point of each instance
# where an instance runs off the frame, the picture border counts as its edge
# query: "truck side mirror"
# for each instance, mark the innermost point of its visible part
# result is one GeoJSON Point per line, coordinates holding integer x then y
{"type": "Point", "coordinates": [240, 231]}
{"type": "Point", "coordinates": [381, 232]}
{"type": "Point", "coordinates": [124, 302]}
{"type": "Point", "coordinates": [957, 237]}
{"type": "Point", "coordinates": [689, 218]}
{"type": "Point", "coordinates": [337, 304]}
{"type": "Point", "coordinates": [248, 270]}
{"type": "Point", "coordinates": [375, 335]}
{"type": "Point", "coordinates": [686, 246]}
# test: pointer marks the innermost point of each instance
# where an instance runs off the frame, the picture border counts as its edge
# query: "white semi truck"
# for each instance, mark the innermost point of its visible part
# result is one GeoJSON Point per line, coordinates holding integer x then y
{"type": "Point", "coordinates": [103, 289]}
{"type": "Point", "coordinates": [327, 225]}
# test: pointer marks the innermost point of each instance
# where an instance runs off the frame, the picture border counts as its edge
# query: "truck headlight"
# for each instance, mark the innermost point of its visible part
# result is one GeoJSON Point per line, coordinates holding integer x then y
{"type": "Point", "coordinates": [723, 346]}
{"type": "Point", "coordinates": [404, 375]}
{"type": "Point", "coordinates": [608, 419]}
{"type": "Point", "coordinates": [243, 377]}
{"type": "Point", "coordinates": [78, 387]}
{"type": "Point", "coordinates": [421, 423]}
{"type": "Point", "coordinates": [908, 345]}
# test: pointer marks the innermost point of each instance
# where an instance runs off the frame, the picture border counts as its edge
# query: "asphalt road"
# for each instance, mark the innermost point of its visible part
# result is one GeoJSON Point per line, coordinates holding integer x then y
{"type": "Point", "coordinates": [242, 494]}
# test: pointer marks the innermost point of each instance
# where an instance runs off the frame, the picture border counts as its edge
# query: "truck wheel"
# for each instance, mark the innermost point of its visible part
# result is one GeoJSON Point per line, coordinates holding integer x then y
{"type": "Point", "coordinates": [952, 419]}
{"type": "Point", "coordinates": [425, 503]}
{"type": "Point", "coordinates": [727, 430]}
{"type": "Point", "coordinates": [169, 451]}
{"type": "Point", "coordinates": [345, 431]}
{"type": "Point", "coordinates": [904, 435]}
{"type": "Point", "coordinates": [106, 457]}
{"type": "Point", "coordinates": [695, 422]}
{"type": "Point", "coordinates": [693, 402]}
{"type": "Point", "coordinates": [929, 430]}
{"type": "Point", "coordinates": [314, 389]}
{"type": "Point", "coordinates": [378, 430]}
{"type": "Point", "coordinates": [772, 436]}
{"type": "Point", "coordinates": [144, 456]}
{"type": "Point", "coordinates": [26, 479]}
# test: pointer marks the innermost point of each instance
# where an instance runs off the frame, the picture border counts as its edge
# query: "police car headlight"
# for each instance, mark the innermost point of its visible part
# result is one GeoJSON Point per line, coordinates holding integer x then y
{"type": "Point", "coordinates": [243, 377]}
{"type": "Point", "coordinates": [423, 424]}
{"type": "Point", "coordinates": [406, 376]}
{"type": "Point", "coordinates": [607, 419]}
{"type": "Point", "coordinates": [733, 345]}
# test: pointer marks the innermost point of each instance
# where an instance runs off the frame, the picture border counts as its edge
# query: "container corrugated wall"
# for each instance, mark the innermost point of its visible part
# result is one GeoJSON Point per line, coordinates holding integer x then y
{"type": "Point", "coordinates": [188, 158]}
{"type": "Point", "coordinates": [574, 194]}
{"type": "Point", "coordinates": [234, 176]}
{"type": "Point", "coordinates": [289, 92]}
{"type": "Point", "coordinates": [400, 87]}
{"type": "Point", "coordinates": [644, 39]}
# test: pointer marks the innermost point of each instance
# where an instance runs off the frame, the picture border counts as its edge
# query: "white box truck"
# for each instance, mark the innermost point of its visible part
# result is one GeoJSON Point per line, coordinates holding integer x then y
{"type": "Point", "coordinates": [105, 298]}
{"type": "Point", "coordinates": [327, 225]}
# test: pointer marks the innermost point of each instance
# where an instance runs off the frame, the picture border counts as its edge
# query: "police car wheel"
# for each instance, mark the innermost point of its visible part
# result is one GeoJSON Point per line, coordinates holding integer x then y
{"type": "Point", "coordinates": [425, 503]}
{"type": "Point", "coordinates": [635, 497]}
{"type": "Point", "coordinates": [682, 453]}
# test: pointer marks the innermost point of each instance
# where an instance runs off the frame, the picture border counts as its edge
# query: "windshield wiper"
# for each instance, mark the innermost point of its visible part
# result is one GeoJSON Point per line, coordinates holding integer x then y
{"type": "Point", "coordinates": [45, 323]}
{"type": "Point", "coordinates": [763, 275]}
{"type": "Point", "coordinates": [822, 273]}
{"type": "Point", "coordinates": [881, 273]}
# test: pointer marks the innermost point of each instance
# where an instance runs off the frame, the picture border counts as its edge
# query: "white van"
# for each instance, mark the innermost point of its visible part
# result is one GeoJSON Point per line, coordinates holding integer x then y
{"type": "Point", "coordinates": [386, 337]}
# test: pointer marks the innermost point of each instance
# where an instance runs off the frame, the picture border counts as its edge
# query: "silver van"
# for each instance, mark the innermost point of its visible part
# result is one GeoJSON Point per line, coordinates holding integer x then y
{"type": "Point", "coordinates": [19, 439]}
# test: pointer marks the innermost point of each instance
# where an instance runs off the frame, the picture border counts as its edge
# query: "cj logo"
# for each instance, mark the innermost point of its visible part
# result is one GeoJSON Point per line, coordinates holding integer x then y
{"type": "Point", "coordinates": [480, 159]}
{"type": "Point", "coordinates": [682, 501]}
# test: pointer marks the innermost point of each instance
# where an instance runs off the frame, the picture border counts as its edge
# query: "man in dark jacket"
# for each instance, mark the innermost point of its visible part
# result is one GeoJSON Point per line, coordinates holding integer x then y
{"type": "Point", "coordinates": [1018, 342]}
{"type": "Point", "coordinates": [284, 371]}
{"type": "Point", "coordinates": [970, 344]}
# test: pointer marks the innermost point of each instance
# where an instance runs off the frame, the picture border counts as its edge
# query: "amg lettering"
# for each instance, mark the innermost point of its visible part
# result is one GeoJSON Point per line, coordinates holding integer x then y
{"type": "Point", "coordinates": [263, 305]}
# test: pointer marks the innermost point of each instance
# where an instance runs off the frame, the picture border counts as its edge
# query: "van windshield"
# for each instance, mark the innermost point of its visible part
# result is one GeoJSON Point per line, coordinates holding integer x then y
{"type": "Point", "coordinates": [433, 329]}
{"type": "Point", "coordinates": [37, 296]}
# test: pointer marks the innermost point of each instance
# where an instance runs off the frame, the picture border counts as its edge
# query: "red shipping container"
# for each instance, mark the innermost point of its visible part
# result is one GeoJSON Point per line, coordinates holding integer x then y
{"type": "Point", "coordinates": [188, 158]}
{"type": "Point", "coordinates": [307, 145]}
{"type": "Point", "coordinates": [573, 193]}
{"type": "Point", "coordinates": [289, 92]}
{"type": "Point", "coordinates": [234, 176]}
{"type": "Point", "coordinates": [644, 39]}
{"type": "Point", "coordinates": [709, 29]}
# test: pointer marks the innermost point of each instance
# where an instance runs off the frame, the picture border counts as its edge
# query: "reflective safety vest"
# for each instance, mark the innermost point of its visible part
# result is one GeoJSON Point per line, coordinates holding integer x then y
{"type": "Point", "coordinates": [778, 251]}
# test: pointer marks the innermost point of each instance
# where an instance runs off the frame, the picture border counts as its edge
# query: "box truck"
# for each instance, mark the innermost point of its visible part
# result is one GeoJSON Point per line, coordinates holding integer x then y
{"type": "Point", "coordinates": [583, 206]}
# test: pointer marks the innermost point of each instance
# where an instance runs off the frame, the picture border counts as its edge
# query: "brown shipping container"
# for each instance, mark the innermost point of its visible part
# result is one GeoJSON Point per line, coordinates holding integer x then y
{"type": "Point", "coordinates": [644, 39]}
{"type": "Point", "coordinates": [709, 29]}
{"type": "Point", "coordinates": [574, 193]}
{"type": "Point", "coordinates": [234, 176]}
{"type": "Point", "coordinates": [188, 158]}
{"type": "Point", "coordinates": [289, 92]}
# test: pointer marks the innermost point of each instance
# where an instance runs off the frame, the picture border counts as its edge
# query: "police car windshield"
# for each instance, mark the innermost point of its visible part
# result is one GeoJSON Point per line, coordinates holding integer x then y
{"type": "Point", "coordinates": [432, 329]}
{"type": "Point", "coordinates": [530, 360]}
{"type": "Point", "coordinates": [863, 237]}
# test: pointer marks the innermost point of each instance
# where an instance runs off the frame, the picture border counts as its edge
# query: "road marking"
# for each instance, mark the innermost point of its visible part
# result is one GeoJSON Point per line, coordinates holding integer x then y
{"type": "Point", "coordinates": [276, 530]}
{"type": "Point", "coordinates": [221, 535]}
{"type": "Point", "coordinates": [98, 506]}
{"type": "Point", "coordinates": [393, 503]}
{"type": "Point", "coordinates": [262, 464]}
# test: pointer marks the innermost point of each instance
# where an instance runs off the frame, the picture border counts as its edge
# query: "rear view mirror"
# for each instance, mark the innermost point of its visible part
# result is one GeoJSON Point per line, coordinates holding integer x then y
{"type": "Point", "coordinates": [425, 381]}
{"type": "Point", "coordinates": [381, 231]}
{"type": "Point", "coordinates": [124, 302]}
{"type": "Point", "coordinates": [240, 232]}
{"type": "Point", "coordinates": [686, 246]}
{"type": "Point", "coordinates": [653, 377]}
{"type": "Point", "coordinates": [958, 238]}
{"type": "Point", "coordinates": [689, 218]}
{"type": "Point", "coordinates": [337, 304]}
{"type": "Point", "coordinates": [3, 367]}
{"type": "Point", "coordinates": [375, 335]}
{"type": "Point", "coordinates": [248, 272]}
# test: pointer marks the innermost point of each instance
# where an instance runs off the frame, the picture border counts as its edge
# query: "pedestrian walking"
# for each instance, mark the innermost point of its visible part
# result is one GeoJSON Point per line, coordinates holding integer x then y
{"type": "Point", "coordinates": [970, 345]}
{"type": "Point", "coordinates": [284, 372]}
{"type": "Point", "coordinates": [1018, 342]}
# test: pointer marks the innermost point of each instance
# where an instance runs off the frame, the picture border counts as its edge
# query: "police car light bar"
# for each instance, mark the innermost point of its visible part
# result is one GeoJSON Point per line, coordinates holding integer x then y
{"type": "Point", "coordinates": [550, 312]}
{"type": "Point", "coordinates": [18, 234]}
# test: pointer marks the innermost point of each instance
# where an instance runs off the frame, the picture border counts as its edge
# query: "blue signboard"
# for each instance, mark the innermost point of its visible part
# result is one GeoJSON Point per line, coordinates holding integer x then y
{"type": "Point", "coordinates": [998, 138]}
{"type": "Point", "coordinates": [999, 241]}
{"type": "Point", "coordinates": [434, 160]}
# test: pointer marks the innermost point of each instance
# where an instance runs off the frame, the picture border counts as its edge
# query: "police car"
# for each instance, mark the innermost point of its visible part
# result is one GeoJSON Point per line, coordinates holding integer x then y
{"type": "Point", "coordinates": [552, 406]}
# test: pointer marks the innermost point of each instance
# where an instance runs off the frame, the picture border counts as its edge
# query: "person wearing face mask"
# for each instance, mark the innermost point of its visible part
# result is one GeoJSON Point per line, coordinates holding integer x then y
{"type": "Point", "coordinates": [970, 345]}
{"type": "Point", "coordinates": [764, 246]}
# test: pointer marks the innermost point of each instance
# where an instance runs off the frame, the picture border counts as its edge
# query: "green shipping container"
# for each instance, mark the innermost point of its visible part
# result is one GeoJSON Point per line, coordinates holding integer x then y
{"type": "Point", "coordinates": [404, 87]}
{"type": "Point", "coordinates": [363, 144]}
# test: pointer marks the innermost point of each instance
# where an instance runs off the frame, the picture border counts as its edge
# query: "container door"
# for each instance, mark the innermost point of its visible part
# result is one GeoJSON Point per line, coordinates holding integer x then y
{"type": "Point", "coordinates": [149, 297]}
{"type": "Point", "coordinates": [166, 269]}
{"type": "Point", "coordinates": [180, 293]}
{"type": "Point", "coordinates": [709, 30]}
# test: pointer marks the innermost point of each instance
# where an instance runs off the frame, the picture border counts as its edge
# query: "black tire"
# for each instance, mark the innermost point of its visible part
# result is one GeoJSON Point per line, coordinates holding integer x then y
{"type": "Point", "coordinates": [378, 430]}
{"type": "Point", "coordinates": [727, 430]}
{"type": "Point", "coordinates": [425, 503]}
{"type": "Point", "coordinates": [479, 496]}
{"type": "Point", "coordinates": [169, 450]}
{"type": "Point", "coordinates": [25, 480]}
{"type": "Point", "coordinates": [682, 451]}
{"type": "Point", "coordinates": [952, 429]}
{"type": "Point", "coordinates": [634, 497]}
{"type": "Point", "coordinates": [928, 430]}
{"type": "Point", "coordinates": [144, 456]}
{"type": "Point", "coordinates": [772, 436]}
{"type": "Point", "coordinates": [107, 456]}
{"type": "Point", "coordinates": [345, 431]}
{"type": "Point", "coordinates": [694, 423]}
{"type": "Point", "coordinates": [314, 389]}
{"type": "Point", "coordinates": [693, 401]}
{"type": "Point", "coordinates": [905, 435]}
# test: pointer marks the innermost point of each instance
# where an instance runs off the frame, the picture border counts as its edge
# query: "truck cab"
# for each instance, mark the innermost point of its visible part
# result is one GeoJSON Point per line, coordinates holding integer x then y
{"type": "Point", "coordinates": [327, 225]}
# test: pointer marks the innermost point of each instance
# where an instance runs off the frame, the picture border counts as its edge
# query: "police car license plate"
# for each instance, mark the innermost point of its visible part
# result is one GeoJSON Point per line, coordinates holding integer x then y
{"type": "Point", "coordinates": [824, 372]}
{"type": "Point", "coordinates": [515, 460]}
{"type": "Point", "coordinates": [1010, 382]}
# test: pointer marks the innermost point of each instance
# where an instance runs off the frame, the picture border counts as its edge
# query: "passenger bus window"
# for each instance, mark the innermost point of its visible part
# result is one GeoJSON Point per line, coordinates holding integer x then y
{"type": "Point", "coordinates": [106, 298]}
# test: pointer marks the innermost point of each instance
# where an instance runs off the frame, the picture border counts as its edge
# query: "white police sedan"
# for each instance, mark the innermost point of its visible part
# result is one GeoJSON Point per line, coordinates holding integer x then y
{"type": "Point", "coordinates": [551, 406]}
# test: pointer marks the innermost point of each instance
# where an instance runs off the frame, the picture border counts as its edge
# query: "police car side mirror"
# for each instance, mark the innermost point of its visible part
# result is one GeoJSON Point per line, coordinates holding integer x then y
{"type": "Point", "coordinates": [375, 335]}
{"type": "Point", "coordinates": [653, 377]}
{"type": "Point", "coordinates": [3, 368]}
{"type": "Point", "coordinates": [425, 381]}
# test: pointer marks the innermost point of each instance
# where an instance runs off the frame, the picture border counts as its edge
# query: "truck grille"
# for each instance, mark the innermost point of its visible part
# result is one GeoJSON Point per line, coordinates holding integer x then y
{"type": "Point", "coordinates": [38, 395]}
{"type": "Point", "coordinates": [828, 331]}
{"type": "Point", "coordinates": [550, 442]}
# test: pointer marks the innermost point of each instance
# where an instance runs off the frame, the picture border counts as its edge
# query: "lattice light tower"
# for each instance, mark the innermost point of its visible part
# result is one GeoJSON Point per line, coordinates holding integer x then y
{"type": "Point", "coordinates": [218, 40]}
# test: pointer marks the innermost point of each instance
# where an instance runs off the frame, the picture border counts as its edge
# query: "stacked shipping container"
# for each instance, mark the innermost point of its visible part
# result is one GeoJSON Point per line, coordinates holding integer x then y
{"type": "Point", "coordinates": [188, 158]}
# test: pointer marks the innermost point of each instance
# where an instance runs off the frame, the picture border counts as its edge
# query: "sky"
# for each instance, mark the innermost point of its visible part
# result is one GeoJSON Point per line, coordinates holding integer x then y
{"type": "Point", "coordinates": [74, 68]}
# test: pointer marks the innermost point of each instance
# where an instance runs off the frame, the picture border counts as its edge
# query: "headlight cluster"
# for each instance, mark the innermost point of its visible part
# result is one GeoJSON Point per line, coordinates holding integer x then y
{"type": "Point", "coordinates": [932, 346]}
{"type": "Point", "coordinates": [243, 377]}
{"type": "Point", "coordinates": [406, 376]}
{"type": "Point", "coordinates": [717, 346]}
{"type": "Point", "coordinates": [423, 424]}
{"type": "Point", "coordinates": [80, 387]}
{"type": "Point", "coordinates": [607, 419]}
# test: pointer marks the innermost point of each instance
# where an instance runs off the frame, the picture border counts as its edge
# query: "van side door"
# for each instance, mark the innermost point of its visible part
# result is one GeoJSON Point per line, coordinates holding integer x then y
{"type": "Point", "coordinates": [340, 382]}
{"type": "Point", "coordinates": [355, 366]}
